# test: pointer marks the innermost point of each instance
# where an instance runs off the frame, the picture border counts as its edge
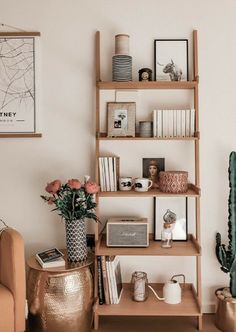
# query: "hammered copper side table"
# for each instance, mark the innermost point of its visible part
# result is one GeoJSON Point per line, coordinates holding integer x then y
{"type": "Point", "coordinates": [60, 299]}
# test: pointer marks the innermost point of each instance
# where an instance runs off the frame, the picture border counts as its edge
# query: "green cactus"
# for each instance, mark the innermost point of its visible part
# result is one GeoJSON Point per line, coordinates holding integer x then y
{"type": "Point", "coordinates": [227, 257]}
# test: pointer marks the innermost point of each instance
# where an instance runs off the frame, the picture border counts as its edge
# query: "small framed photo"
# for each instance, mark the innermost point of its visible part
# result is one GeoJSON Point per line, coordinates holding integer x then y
{"type": "Point", "coordinates": [171, 60]}
{"type": "Point", "coordinates": [121, 119]}
{"type": "Point", "coordinates": [177, 205]}
{"type": "Point", "coordinates": [151, 169]}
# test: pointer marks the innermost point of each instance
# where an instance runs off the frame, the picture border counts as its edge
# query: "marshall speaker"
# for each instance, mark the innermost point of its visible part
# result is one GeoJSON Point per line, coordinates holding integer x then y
{"type": "Point", "coordinates": [127, 232]}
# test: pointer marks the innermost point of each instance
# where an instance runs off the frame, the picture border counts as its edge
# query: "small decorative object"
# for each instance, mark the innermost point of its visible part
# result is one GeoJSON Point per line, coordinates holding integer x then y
{"type": "Point", "coordinates": [74, 202]}
{"type": "Point", "coordinates": [174, 182]}
{"type": "Point", "coordinates": [226, 308]}
{"type": "Point", "coordinates": [140, 282]}
{"type": "Point", "coordinates": [142, 184]}
{"type": "Point", "coordinates": [171, 59]}
{"type": "Point", "coordinates": [127, 232]}
{"type": "Point", "coordinates": [122, 61]}
{"type": "Point", "coordinates": [145, 74]}
{"type": "Point", "coordinates": [169, 217]}
{"type": "Point", "coordinates": [171, 291]}
{"type": "Point", "coordinates": [145, 129]}
{"type": "Point", "coordinates": [166, 236]}
{"type": "Point", "coordinates": [121, 119]}
{"type": "Point", "coordinates": [122, 44]}
{"type": "Point", "coordinates": [151, 169]}
{"type": "Point", "coordinates": [174, 211]}
{"type": "Point", "coordinates": [125, 183]}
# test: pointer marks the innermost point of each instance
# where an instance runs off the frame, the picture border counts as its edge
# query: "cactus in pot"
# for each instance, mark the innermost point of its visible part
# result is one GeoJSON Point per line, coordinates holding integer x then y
{"type": "Point", "coordinates": [227, 256]}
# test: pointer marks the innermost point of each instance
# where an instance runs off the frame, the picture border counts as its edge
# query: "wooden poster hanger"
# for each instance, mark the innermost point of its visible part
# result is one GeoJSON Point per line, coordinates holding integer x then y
{"type": "Point", "coordinates": [18, 32]}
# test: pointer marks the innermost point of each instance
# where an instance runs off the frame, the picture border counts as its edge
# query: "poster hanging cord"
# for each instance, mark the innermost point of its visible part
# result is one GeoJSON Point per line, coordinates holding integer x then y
{"type": "Point", "coordinates": [11, 27]}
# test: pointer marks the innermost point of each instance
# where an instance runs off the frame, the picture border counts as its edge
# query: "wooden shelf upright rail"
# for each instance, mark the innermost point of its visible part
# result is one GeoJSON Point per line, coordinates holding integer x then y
{"type": "Point", "coordinates": [197, 170]}
{"type": "Point", "coordinates": [98, 78]}
{"type": "Point", "coordinates": [191, 302]}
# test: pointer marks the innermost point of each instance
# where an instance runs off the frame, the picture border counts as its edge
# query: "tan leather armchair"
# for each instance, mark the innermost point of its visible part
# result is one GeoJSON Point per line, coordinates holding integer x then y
{"type": "Point", "coordinates": [12, 281]}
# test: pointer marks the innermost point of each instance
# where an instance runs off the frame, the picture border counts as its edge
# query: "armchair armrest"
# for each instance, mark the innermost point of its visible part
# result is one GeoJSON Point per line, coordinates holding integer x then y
{"type": "Point", "coordinates": [12, 272]}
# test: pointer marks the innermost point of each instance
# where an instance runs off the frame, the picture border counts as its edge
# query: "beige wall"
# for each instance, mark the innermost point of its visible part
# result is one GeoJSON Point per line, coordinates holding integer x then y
{"type": "Point", "coordinates": [66, 112]}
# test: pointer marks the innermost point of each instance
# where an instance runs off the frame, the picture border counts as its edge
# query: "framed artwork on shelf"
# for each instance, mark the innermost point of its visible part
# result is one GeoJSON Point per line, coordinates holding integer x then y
{"type": "Point", "coordinates": [176, 205]}
{"type": "Point", "coordinates": [121, 119]}
{"type": "Point", "coordinates": [151, 169]}
{"type": "Point", "coordinates": [17, 83]}
{"type": "Point", "coordinates": [171, 60]}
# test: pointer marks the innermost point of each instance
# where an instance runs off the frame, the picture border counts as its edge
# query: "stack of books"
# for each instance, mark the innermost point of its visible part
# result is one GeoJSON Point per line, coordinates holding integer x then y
{"type": "Point", "coordinates": [174, 123]}
{"type": "Point", "coordinates": [108, 173]}
{"type": "Point", "coordinates": [109, 279]}
{"type": "Point", "coordinates": [50, 258]}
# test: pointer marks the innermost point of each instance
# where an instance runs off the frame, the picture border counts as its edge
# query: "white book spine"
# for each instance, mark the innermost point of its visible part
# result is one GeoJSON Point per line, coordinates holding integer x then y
{"type": "Point", "coordinates": [175, 123]}
{"type": "Point", "coordinates": [114, 161]}
{"type": "Point", "coordinates": [109, 281]}
{"type": "Point", "coordinates": [178, 123]}
{"type": "Point", "coordinates": [108, 187]}
{"type": "Point", "coordinates": [104, 174]}
{"type": "Point", "coordinates": [113, 282]}
{"type": "Point", "coordinates": [165, 123]}
{"type": "Point", "coordinates": [101, 174]}
{"type": "Point", "coordinates": [154, 123]}
{"type": "Point", "coordinates": [160, 123]}
{"type": "Point", "coordinates": [187, 122]}
{"type": "Point", "coordinates": [111, 173]}
{"type": "Point", "coordinates": [183, 134]}
{"type": "Point", "coordinates": [171, 123]}
{"type": "Point", "coordinates": [192, 122]}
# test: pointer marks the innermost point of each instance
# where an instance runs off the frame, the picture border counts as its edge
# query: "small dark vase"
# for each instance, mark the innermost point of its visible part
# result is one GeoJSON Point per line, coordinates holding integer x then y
{"type": "Point", "coordinates": [76, 241]}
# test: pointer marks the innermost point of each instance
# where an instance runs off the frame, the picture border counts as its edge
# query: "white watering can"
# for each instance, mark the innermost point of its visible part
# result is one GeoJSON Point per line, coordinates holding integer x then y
{"type": "Point", "coordinates": [171, 291]}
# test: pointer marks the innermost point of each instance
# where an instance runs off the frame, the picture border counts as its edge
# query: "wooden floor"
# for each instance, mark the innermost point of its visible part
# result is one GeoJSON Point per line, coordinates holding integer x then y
{"type": "Point", "coordinates": [155, 324]}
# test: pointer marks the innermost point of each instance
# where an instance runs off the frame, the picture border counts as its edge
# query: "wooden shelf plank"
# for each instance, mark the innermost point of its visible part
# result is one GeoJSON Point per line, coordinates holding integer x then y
{"type": "Point", "coordinates": [103, 137]}
{"type": "Point", "coordinates": [20, 135]}
{"type": "Point", "coordinates": [152, 307]}
{"type": "Point", "coordinates": [147, 85]}
{"type": "Point", "coordinates": [193, 191]}
{"type": "Point", "coordinates": [180, 248]}
{"type": "Point", "coordinates": [20, 34]}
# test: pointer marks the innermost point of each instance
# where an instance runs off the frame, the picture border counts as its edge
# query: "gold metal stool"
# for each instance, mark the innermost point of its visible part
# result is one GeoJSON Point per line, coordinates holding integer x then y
{"type": "Point", "coordinates": [60, 299]}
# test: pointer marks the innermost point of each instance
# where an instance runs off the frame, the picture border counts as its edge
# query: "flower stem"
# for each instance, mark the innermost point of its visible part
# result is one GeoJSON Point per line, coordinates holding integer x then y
{"type": "Point", "coordinates": [73, 205]}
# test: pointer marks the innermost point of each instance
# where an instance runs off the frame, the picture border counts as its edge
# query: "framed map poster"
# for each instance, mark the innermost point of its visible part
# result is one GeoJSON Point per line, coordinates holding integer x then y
{"type": "Point", "coordinates": [17, 84]}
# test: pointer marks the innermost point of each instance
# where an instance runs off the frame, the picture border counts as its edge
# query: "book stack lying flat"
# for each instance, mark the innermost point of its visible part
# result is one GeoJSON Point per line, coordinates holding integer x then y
{"type": "Point", "coordinates": [109, 280]}
{"type": "Point", "coordinates": [50, 258]}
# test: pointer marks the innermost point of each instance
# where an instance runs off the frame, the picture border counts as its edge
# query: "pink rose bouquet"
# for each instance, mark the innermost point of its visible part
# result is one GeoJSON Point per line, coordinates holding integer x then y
{"type": "Point", "coordinates": [73, 200]}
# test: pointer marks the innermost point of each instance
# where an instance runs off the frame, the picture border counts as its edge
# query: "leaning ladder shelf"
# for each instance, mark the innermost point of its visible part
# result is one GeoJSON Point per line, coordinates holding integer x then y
{"type": "Point", "coordinates": [191, 299]}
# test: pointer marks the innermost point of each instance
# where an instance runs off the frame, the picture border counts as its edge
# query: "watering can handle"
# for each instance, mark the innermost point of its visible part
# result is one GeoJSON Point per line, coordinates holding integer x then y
{"type": "Point", "coordinates": [178, 275]}
{"type": "Point", "coordinates": [159, 298]}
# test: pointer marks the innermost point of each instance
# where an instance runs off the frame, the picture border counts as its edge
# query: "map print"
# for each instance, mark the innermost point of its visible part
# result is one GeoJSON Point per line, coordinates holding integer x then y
{"type": "Point", "coordinates": [17, 85]}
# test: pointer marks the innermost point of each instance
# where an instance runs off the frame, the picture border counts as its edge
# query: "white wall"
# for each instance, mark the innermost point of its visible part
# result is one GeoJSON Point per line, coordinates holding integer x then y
{"type": "Point", "coordinates": [66, 107]}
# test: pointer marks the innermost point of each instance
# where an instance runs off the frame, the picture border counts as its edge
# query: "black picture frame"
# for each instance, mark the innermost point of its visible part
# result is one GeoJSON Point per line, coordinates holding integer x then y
{"type": "Point", "coordinates": [165, 57]}
{"type": "Point", "coordinates": [161, 204]}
